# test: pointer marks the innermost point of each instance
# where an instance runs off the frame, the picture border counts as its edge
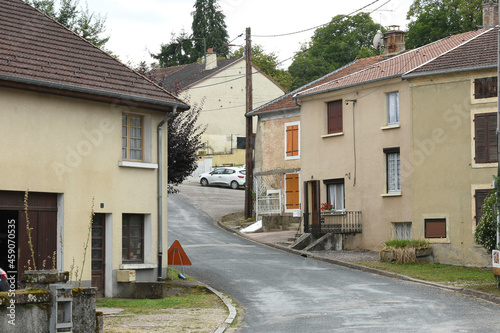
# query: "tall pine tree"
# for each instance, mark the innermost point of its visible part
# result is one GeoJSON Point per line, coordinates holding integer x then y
{"type": "Point", "coordinates": [209, 24]}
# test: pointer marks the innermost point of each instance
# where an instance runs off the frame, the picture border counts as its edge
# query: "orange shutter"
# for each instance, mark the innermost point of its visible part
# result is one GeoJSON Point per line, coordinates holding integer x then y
{"type": "Point", "coordinates": [292, 140]}
{"type": "Point", "coordinates": [292, 191]}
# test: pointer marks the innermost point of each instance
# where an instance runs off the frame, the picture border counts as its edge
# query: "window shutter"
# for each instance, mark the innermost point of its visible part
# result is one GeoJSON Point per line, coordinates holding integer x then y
{"type": "Point", "coordinates": [335, 124]}
{"type": "Point", "coordinates": [485, 87]}
{"type": "Point", "coordinates": [292, 140]}
{"type": "Point", "coordinates": [435, 228]}
{"type": "Point", "coordinates": [292, 191]}
{"type": "Point", "coordinates": [485, 138]}
{"type": "Point", "coordinates": [480, 196]}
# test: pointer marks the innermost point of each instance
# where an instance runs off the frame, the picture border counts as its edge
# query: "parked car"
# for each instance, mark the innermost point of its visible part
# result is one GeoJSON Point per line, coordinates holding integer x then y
{"type": "Point", "coordinates": [4, 283]}
{"type": "Point", "coordinates": [227, 176]}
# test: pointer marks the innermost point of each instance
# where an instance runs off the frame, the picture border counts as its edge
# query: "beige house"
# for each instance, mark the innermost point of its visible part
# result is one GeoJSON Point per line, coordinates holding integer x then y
{"type": "Point", "coordinates": [277, 174]}
{"type": "Point", "coordinates": [218, 87]}
{"type": "Point", "coordinates": [80, 130]}
{"type": "Point", "coordinates": [454, 121]}
{"type": "Point", "coordinates": [358, 132]}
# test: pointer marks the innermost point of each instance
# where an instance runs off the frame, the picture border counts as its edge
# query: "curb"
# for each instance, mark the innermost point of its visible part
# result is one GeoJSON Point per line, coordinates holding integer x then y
{"type": "Point", "coordinates": [232, 310]}
{"type": "Point", "coordinates": [470, 292]}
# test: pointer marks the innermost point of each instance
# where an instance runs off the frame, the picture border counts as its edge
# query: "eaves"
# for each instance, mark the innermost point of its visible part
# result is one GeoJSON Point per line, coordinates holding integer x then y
{"type": "Point", "coordinates": [447, 71]}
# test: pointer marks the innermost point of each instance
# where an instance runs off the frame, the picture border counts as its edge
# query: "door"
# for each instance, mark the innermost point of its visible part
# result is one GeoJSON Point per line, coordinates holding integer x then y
{"type": "Point", "coordinates": [312, 206]}
{"type": "Point", "coordinates": [98, 253]}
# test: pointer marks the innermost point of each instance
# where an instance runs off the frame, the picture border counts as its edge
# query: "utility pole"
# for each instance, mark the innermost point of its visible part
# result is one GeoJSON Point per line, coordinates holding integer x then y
{"type": "Point", "coordinates": [249, 129]}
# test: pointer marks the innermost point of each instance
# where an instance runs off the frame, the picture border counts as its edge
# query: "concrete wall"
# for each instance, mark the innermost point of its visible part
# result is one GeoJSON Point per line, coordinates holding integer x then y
{"type": "Point", "coordinates": [73, 147]}
{"type": "Point", "coordinates": [224, 96]}
{"type": "Point", "coordinates": [445, 174]}
{"type": "Point", "coordinates": [357, 156]}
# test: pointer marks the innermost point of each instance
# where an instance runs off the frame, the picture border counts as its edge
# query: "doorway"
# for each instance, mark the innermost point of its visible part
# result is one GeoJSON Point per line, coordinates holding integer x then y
{"type": "Point", "coordinates": [98, 253]}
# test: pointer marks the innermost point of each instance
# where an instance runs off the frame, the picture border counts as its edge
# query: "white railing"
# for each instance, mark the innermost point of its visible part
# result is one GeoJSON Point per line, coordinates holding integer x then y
{"type": "Point", "coordinates": [269, 204]}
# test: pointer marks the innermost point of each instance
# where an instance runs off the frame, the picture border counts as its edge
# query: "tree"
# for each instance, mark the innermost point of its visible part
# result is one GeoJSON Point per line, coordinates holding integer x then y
{"type": "Point", "coordinates": [268, 63]}
{"type": "Point", "coordinates": [84, 23]}
{"type": "Point", "coordinates": [184, 141]}
{"type": "Point", "coordinates": [208, 24]}
{"type": "Point", "coordinates": [332, 46]}
{"type": "Point", "coordinates": [435, 19]}
{"type": "Point", "coordinates": [486, 230]}
{"type": "Point", "coordinates": [179, 51]}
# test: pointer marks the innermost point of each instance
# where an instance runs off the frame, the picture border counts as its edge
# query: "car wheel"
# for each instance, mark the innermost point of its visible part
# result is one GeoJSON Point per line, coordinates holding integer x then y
{"type": "Point", "coordinates": [204, 182]}
{"type": "Point", "coordinates": [235, 185]}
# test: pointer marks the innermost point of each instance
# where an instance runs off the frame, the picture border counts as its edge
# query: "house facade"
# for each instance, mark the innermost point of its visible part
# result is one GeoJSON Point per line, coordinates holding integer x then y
{"type": "Point", "coordinates": [218, 88]}
{"type": "Point", "coordinates": [360, 142]}
{"type": "Point", "coordinates": [80, 132]}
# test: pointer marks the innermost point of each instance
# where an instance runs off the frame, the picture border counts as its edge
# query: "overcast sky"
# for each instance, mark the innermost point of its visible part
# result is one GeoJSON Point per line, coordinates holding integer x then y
{"type": "Point", "coordinates": [140, 27]}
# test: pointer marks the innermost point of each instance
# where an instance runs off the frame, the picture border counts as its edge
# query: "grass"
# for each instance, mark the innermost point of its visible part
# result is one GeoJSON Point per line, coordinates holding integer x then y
{"type": "Point", "coordinates": [400, 243]}
{"type": "Point", "coordinates": [467, 277]}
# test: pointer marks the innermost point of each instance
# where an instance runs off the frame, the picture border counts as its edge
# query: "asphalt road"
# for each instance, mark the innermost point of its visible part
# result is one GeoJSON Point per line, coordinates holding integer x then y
{"type": "Point", "coordinates": [283, 292]}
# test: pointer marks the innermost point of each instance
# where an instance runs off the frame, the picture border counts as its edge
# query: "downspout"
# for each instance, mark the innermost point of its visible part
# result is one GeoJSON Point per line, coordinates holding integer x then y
{"type": "Point", "coordinates": [160, 190]}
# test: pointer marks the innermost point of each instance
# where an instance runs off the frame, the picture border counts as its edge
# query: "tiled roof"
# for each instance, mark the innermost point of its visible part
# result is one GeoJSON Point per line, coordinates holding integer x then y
{"type": "Point", "coordinates": [184, 76]}
{"type": "Point", "coordinates": [395, 66]}
{"type": "Point", "coordinates": [37, 53]}
{"type": "Point", "coordinates": [287, 102]}
{"type": "Point", "coordinates": [478, 52]}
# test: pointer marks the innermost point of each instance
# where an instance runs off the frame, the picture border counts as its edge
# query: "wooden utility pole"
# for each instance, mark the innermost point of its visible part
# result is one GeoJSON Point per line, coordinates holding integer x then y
{"type": "Point", "coordinates": [249, 129]}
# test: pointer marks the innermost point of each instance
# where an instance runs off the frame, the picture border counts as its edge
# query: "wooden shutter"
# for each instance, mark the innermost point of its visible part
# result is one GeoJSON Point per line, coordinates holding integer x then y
{"type": "Point", "coordinates": [435, 228]}
{"type": "Point", "coordinates": [335, 117]}
{"type": "Point", "coordinates": [292, 191]}
{"type": "Point", "coordinates": [292, 140]}
{"type": "Point", "coordinates": [485, 138]}
{"type": "Point", "coordinates": [485, 87]}
{"type": "Point", "coordinates": [480, 196]}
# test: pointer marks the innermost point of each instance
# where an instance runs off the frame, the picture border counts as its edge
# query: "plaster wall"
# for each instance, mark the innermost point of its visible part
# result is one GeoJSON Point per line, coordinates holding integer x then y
{"type": "Point", "coordinates": [224, 98]}
{"type": "Point", "coordinates": [73, 147]}
{"type": "Point", "coordinates": [357, 155]}
{"type": "Point", "coordinates": [445, 174]}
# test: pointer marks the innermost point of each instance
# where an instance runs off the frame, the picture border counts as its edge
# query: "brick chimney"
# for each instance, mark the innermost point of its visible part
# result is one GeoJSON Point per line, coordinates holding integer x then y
{"type": "Point", "coordinates": [394, 40]}
{"type": "Point", "coordinates": [490, 13]}
{"type": "Point", "coordinates": [210, 60]}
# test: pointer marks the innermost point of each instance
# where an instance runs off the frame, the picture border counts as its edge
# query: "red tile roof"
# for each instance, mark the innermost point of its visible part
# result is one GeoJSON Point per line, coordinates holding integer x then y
{"type": "Point", "coordinates": [286, 102]}
{"type": "Point", "coordinates": [478, 52]}
{"type": "Point", "coordinates": [395, 66]}
{"type": "Point", "coordinates": [37, 53]}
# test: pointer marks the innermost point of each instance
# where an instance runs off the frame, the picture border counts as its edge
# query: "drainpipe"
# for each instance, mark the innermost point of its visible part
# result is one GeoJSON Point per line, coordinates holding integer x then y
{"type": "Point", "coordinates": [160, 190]}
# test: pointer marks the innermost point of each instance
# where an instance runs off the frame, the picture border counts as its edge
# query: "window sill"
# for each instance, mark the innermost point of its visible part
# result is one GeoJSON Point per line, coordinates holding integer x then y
{"type": "Point", "coordinates": [475, 100]}
{"type": "Point", "coordinates": [287, 158]}
{"type": "Point", "coordinates": [388, 127]}
{"type": "Point", "coordinates": [484, 165]}
{"type": "Point", "coordinates": [332, 135]}
{"type": "Point", "coordinates": [140, 165]}
{"type": "Point", "coordinates": [438, 240]}
{"type": "Point", "coordinates": [388, 195]}
{"type": "Point", "coordinates": [138, 266]}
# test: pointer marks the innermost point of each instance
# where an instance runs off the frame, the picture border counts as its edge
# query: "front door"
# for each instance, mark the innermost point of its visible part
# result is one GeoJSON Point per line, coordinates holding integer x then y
{"type": "Point", "coordinates": [98, 253]}
{"type": "Point", "coordinates": [312, 206]}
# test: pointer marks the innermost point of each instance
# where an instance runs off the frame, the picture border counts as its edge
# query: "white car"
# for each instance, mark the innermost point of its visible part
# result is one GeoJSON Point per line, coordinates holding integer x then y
{"type": "Point", "coordinates": [227, 176]}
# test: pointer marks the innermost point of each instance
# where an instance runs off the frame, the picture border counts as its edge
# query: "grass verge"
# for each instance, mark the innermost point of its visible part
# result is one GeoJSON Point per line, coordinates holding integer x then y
{"type": "Point", "coordinates": [480, 279]}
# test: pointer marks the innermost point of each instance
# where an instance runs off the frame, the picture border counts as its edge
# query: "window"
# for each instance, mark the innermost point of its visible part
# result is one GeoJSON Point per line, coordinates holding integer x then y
{"type": "Point", "coordinates": [485, 87]}
{"type": "Point", "coordinates": [403, 230]}
{"type": "Point", "coordinates": [292, 191]}
{"type": "Point", "coordinates": [479, 197]}
{"type": "Point", "coordinates": [485, 125]}
{"type": "Point", "coordinates": [292, 149]}
{"type": "Point", "coordinates": [335, 194]}
{"type": "Point", "coordinates": [435, 228]}
{"type": "Point", "coordinates": [393, 170]}
{"type": "Point", "coordinates": [241, 142]}
{"type": "Point", "coordinates": [132, 137]}
{"type": "Point", "coordinates": [133, 238]}
{"type": "Point", "coordinates": [335, 124]}
{"type": "Point", "coordinates": [393, 108]}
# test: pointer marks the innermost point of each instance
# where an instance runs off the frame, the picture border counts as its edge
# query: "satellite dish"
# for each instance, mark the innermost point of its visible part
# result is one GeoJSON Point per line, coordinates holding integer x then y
{"type": "Point", "coordinates": [377, 40]}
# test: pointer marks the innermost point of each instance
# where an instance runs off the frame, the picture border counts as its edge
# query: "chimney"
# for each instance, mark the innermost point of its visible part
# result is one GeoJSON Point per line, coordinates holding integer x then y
{"type": "Point", "coordinates": [490, 13]}
{"type": "Point", "coordinates": [210, 60]}
{"type": "Point", "coordinates": [394, 40]}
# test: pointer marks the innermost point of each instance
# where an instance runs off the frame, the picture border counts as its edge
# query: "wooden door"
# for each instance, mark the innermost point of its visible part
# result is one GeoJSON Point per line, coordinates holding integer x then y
{"type": "Point", "coordinates": [98, 253]}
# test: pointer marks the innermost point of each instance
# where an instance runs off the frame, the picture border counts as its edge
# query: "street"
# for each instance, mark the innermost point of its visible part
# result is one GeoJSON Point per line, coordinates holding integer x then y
{"type": "Point", "coordinates": [283, 292]}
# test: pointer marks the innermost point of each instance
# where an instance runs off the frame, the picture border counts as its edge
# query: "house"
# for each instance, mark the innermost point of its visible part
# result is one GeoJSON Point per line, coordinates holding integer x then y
{"type": "Point", "coordinates": [218, 87]}
{"type": "Point", "coordinates": [358, 134]}
{"type": "Point", "coordinates": [277, 174]}
{"type": "Point", "coordinates": [454, 122]}
{"type": "Point", "coordinates": [80, 131]}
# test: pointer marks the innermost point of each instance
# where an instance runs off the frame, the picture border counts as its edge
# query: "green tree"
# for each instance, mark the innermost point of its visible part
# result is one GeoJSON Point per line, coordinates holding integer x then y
{"type": "Point", "coordinates": [486, 230]}
{"type": "Point", "coordinates": [432, 20]}
{"type": "Point", "coordinates": [268, 63]}
{"type": "Point", "coordinates": [208, 24]}
{"type": "Point", "coordinates": [179, 51]}
{"type": "Point", "coordinates": [88, 25]}
{"type": "Point", "coordinates": [332, 46]}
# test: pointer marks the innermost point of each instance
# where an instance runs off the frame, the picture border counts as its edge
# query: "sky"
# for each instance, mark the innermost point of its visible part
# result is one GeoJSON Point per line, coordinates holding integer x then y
{"type": "Point", "coordinates": [138, 28]}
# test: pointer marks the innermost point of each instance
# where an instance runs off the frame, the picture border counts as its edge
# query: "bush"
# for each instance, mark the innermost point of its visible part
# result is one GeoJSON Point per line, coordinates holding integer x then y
{"type": "Point", "coordinates": [405, 250]}
{"type": "Point", "coordinates": [486, 230]}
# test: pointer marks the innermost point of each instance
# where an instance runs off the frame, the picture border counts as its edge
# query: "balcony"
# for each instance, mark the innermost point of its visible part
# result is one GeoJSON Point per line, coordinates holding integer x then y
{"type": "Point", "coordinates": [345, 222]}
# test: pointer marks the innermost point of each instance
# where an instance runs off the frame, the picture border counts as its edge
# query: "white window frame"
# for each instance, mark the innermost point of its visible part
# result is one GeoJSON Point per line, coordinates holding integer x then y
{"type": "Point", "coordinates": [336, 200]}
{"type": "Point", "coordinates": [392, 108]}
{"type": "Point", "coordinates": [393, 159]}
{"type": "Point", "coordinates": [285, 145]}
